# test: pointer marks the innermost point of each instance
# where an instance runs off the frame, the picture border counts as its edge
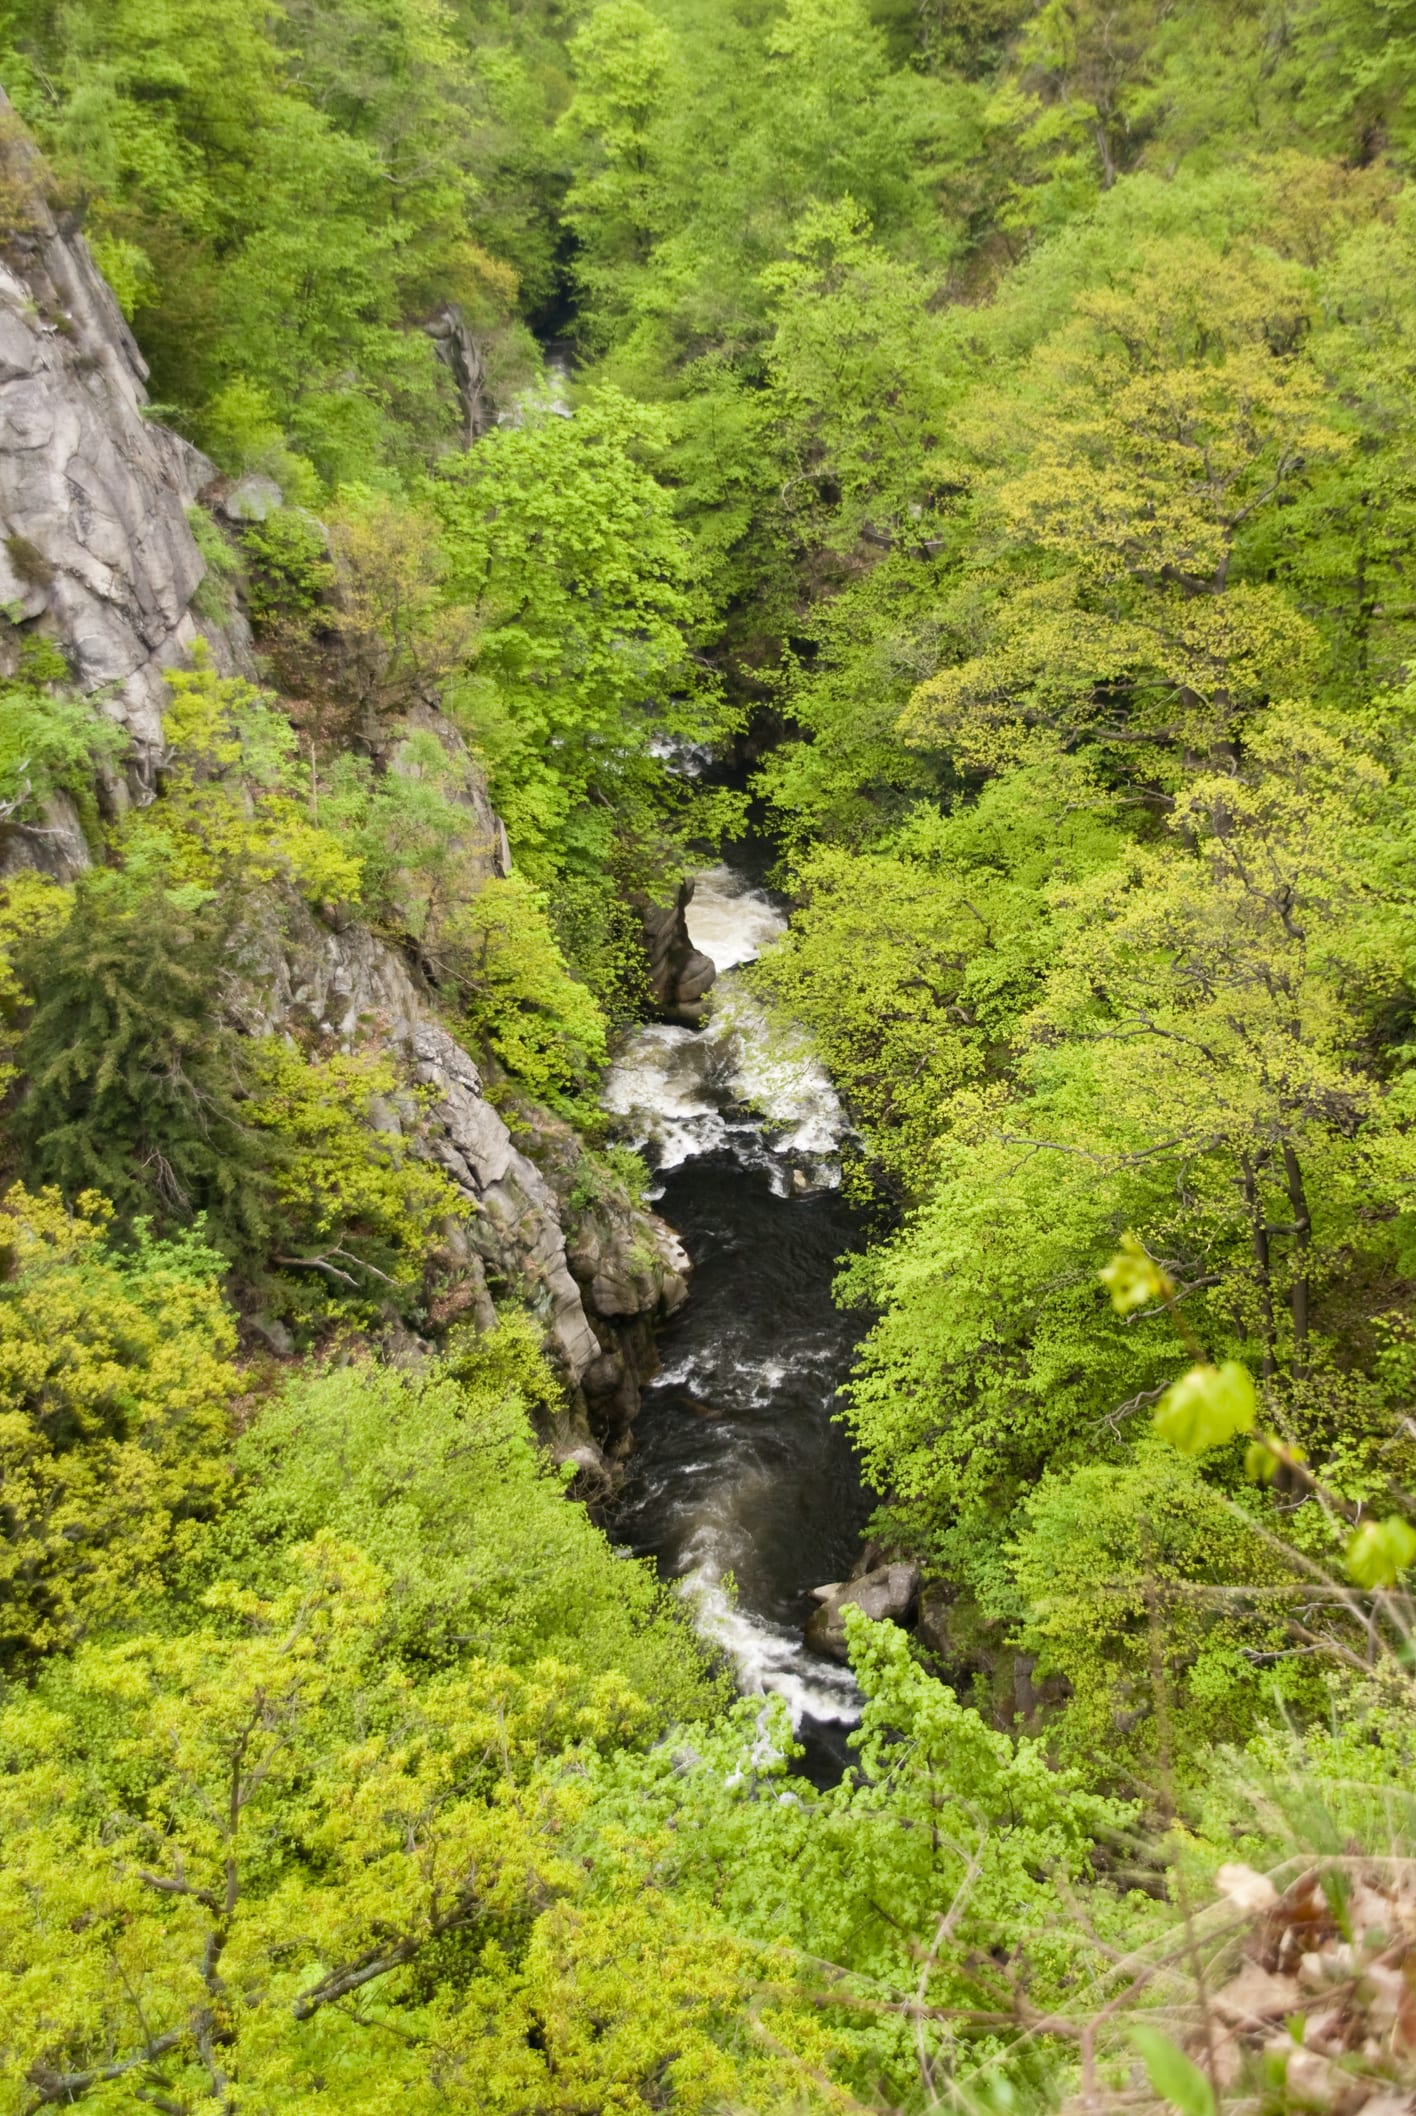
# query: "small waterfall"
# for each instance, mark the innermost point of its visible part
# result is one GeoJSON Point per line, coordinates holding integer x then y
{"type": "Point", "coordinates": [741, 1484]}
{"type": "Point", "coordinates": [740, 1085]}
{"type": "Point", "coordinates": [550, 394]}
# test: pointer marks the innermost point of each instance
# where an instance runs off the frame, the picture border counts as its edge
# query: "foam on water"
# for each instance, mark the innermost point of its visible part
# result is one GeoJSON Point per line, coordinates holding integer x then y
{"type": "Point", "coordinates": [551, 394]}
{"type": "Point", "coordinates": [660, 1087]}
{"type": "Point", "coordinates": [730, 920]}
{"type": "Point", "coordinates": [689, 759]}
{"type": "Point", "coordinates": [769, 1658]}
{"type": "Point", "coordinates": [740, 1483]}
{"type": "Point", "coordinates": [741, 1083]}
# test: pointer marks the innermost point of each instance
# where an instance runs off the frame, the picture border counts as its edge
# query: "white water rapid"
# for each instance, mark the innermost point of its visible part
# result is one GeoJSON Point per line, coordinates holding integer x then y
{"type": "Point", "coordinates": [741, 1484]}
{"type": "Point", "coordinates": [740, 1084]}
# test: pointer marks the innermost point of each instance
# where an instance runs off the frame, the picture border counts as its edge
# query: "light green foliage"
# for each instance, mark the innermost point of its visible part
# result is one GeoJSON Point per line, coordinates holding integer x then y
{"type": "Point", "coordinates": [1119, 473]}
{"type": "Point", "coordinates": [352, 1202]}
{"type": "Point", "coordinates": [566, 550]}
{"type": "Point", "coordinates": [313, 291]}
{"type": "Point", "coordinates": [1172, 2074]}
{"type": "Point", "coordinates": [805, 124]}
{"type": "Point", "coordinates": [1011, 408]}
{"type": "Point", "coordinates": [605, 1174]}
{"type": "Point", "coordinates": [994, 1355]}
{"type": "Point", "coordinates": [626, 86]}
{"type": "Point", "coordinates": [1161, 1603]}
{"type": "Point", "coordinates": [1207, 1407]}
{"type": "Point", "coordinates": [328, 1872]}
{"type": "Point", "coordinates": [437, 1477]}
{"type": "Point", "coordinates": [844, 776]}
{"type": "Point", "coordinates": [238, 807]}
{"type": "Point", "coordinates": [1381, 1551]}
{"type": "Point", "coordinates": [544, 1027]}
{"type": "Point", "coordinates": [262, 1815]}
{"type": "Point", "coordinates": [1077, 99]}
{"type": "Point", "coordinates": [50, 742]}
{"type": "Point", "coordinates": [1135, 430]}
{"type": "Point", "coordinates": [1343, 1779]}
{"type": "Point", "coordinates": [1132, 1278]}
{"type": "Point", "coordinates": [1187, 1053]}
{"type": "Point", "coordinates": [289, 567]}
{"type": "Point", "coordinates": [32, 908]}
{"type": "Point", "coordinates": [214, 600]}
{"type": "Point", "coordinates": [115, 1392]}
{"type": "Point", "coordinates": [913, 960]}
{"type": "Point", "coordinates": [946, 1829]}
{"type": "Point", "coordinates": [854, 377]}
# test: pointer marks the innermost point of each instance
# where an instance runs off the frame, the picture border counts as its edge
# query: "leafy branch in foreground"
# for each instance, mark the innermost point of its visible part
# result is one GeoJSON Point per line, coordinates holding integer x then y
{"type": "Point", "coordinates": [1208, 1406]}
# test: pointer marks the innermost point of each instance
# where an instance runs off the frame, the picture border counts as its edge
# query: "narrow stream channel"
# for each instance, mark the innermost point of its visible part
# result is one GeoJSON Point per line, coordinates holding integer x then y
{"type": "Point", "coordinates": [740, 1484]}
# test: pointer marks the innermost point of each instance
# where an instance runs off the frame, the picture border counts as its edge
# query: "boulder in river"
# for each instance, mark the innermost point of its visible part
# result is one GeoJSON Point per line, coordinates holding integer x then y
{"type": "Point", "coordinates": [886, 1595]}
{"type": "Point", "coordinates": [680, 975]}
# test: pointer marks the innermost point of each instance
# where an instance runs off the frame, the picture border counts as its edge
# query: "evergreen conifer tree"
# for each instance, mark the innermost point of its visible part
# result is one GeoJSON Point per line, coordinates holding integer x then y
{"type": "Point", "coordinates": [133, 1077]}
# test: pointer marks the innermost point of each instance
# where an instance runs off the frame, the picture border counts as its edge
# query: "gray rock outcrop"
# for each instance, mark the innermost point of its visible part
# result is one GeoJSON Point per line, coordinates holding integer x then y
{"type": "Point", "coordinates": [680, 975]}
{"type": "Point", "coordinates": [462, 356]}
{"type": "Point", "coordinates": [630, 1265]}
{"type": "Point", "coordinates": [886, 1594]}
{"type": "Point", "coordinates": [598, 1297]}
{"type": "Point", "coordinates": [251, 499]}
{"type": "Point", "coordinates": [95, 548]}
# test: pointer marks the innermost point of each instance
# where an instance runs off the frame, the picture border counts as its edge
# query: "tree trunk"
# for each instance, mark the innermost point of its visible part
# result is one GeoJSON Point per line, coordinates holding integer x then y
{"type": "Point", "coordinates": [1262, 1263]}
{"type": "Point", "coordinates": [1298, 1297]}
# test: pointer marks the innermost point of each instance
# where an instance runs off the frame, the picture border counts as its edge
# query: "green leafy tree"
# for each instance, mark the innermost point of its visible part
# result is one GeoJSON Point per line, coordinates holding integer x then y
{"type": "Point", "coordinates": [50, 743]}
{"type": "Point", "coordinates": [436, 1475]}
{"type": "Point", "coordinates": [239, 808]}
{"type": "Point", "coordinates": [854, 373]}
{"type": "Point", "coordinates": [1168, 416]}
{"type": "Point", "coordinates": [885, 1901]}
{"type": "Point", "coordinates": [913, 962]}
{"type": "Point", "coordinates": [1166, 1609]}
{"type": "Point", "coordinates": [625, 71]}
{"type": "Point", "coordinates": [115, 1391]}
{"type": "Point", "coordinates": [291, 1831]}
{"type": "Point", "coordinates": [353, 1200]}
{"type": "Point", "coordinates": [544, 1026]}
{"type": "Point", "coordinates": [566, 550]}
{"type": "Point", "coordinates": [32, 909]}
{"type": "Point", "coordinates": [282, 199]}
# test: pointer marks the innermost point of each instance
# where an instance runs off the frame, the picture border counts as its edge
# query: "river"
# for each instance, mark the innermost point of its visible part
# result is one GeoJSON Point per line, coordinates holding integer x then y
{"type": "Point", "coordinates": [740, 1483]}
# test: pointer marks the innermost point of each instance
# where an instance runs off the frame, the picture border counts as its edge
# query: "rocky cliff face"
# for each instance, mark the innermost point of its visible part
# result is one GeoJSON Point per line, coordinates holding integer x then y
{"type": "Point", "coordinates": [97, 553]}
{"type": "Point", "coordinates": [95, 548]}
{"type": "Point", "coordinates": [597, 1271]}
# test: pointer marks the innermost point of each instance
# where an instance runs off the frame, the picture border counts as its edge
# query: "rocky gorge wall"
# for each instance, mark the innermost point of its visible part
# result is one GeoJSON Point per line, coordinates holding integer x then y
{"type": "Point", "coordinates": [96, 552]}
{"type": "Point", "coordinates": [98, 555]}
{"type": "Point", "coordinates": [596, 1270]}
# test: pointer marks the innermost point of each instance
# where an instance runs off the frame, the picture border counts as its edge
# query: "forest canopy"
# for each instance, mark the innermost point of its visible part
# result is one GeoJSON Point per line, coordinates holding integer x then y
{"type": "Point", "coordinates": [985, 430]}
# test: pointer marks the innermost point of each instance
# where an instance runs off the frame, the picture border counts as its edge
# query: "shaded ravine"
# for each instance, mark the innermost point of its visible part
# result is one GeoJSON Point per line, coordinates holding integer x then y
{"type": "Point", "coordinates": [740, 1484]}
